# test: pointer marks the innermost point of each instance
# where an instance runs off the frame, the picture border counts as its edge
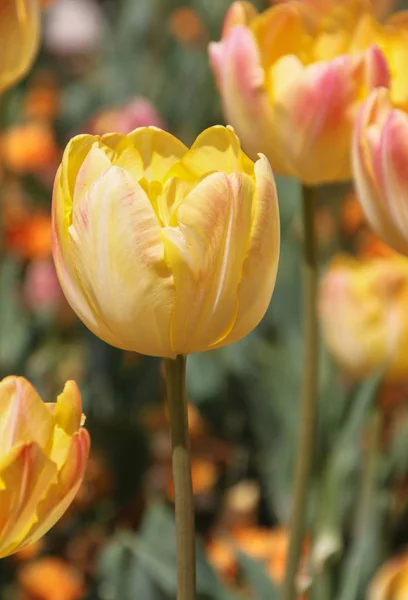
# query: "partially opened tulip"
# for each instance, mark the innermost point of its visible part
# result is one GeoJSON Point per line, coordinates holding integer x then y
{"type": "Point", "coordinates": [289, 94]}
{"type": "Point", "coordinates": [161, 249]}
{"type": "Point", "coordinates": [19, 34]}
{"type": "Point", "coordinates": [363, 310]}
{"type": "Point", "coordinates": [380, 161]}
{"type": "Point", "coordinates": [43, 455]}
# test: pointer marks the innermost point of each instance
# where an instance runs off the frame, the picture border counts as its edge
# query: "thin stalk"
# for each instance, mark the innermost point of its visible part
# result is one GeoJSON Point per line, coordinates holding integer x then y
{"type": "Point", "coordinates": [308, 414]}
{"type": "Point", "coordinates": [183, 488]}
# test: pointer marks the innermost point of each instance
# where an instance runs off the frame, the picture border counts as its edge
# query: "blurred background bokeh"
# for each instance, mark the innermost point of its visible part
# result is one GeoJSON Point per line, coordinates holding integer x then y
{"type": "Point", "coordinates": [114, 65]}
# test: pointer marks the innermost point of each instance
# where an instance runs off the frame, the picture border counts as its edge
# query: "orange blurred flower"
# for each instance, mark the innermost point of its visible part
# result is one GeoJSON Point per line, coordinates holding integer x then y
{"type": "Point", "coordinates": [204, 474]}
{"type": "Point", "coordinates": [187, 27]}
{"type": "Point", "coordinates": [29, 236]}
{"type": "Point", "coordinates": [352, 215]}
{"type": "Point", "coordinates": [391, 580]}
{"type": "Point", "coordinates": [269, 546]}
{"type": "Point", "coordinates": [29, 147]}
{"type": "Point", "coordinates": [42, 99]}
{"type": "Point", "coordinates": [369, 246]}
{"type": "Point", "coordinates": [50, 578]}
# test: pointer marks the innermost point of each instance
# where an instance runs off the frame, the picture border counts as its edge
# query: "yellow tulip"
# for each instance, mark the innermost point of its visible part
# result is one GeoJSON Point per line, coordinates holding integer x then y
{"type": "Point", "coordinates": [293, 93]}
{"type": "Point", "coordinates": [161, 249]}
{"type": "Point", "coordinates": [364, 317]}
{"type": "Point", "coordinates": [391, 580]}
{"type": "Point", "coordinates": [19, 34]}
{"type": "Point", "coordinates": [43, 455]}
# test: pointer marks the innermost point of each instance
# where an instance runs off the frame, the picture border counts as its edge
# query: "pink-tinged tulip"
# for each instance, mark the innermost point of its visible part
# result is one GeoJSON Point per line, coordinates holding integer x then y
{"type": "Point", "coordinates": [286, 102]}
{"type": "Point", "coordinates": [364, 317]}
{"type": "Point", "coordinates": [43, 455]}
{"type": "Point", "coordinates": [161, 249]}
{"type": "Point", "coordinates": [380, 164]}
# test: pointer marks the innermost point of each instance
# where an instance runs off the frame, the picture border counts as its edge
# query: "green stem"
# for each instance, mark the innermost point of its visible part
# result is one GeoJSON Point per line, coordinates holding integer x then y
{"type": "Point", "coordinates": [309, 397]}
{"type": "Point", "coordinates": [183, 488]}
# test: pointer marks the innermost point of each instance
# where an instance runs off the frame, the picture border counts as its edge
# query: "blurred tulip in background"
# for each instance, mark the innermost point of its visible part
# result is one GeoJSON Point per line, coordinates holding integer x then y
{"type": "Point", "coordinates": [380, 159]}
{"type": "Point", "coordinates": [19, 34]}
{"type": "Point", "coordinates": [139, 112]}
{"type": "Point", "coordinates": [288, 93]}
{"type": "Point", "coordinates": [43, 451]}
{"type": "Point", "coordinates": [364, 317]}
{"type": "Point", "coordinates": [159, 248]}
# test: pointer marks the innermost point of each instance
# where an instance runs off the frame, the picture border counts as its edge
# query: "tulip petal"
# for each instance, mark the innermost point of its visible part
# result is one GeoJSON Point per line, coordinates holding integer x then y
{"type": "Point", "coordinates": [370, 169]}
{"type": "Point", "coordinates": [20, 34]}
{"type": "Point", "coordinates": [206, 252]}
{"type": "Point", "coordinates": [242, 85]}
{"type": "Point", "coordinates": [239, 13]}
{"type": "Point", "coordinates": [119, 247]}
{"type": "Point", "coordinates": [62, 493]}
{"type": "Point", "coordinates": [215, 149]}
{"type": "Point", "coordinates": [159, 151]}
{"type": "Point", "coordinates": [394, 157]}
{"type": "Point", "coordinates": [25, 478]}
{"type": "Point", "coordinates": [261, 261]}
{"type": "Point", "coordinates": [23, 417]}
{"type": "Point", "coordinates": [68, 409]}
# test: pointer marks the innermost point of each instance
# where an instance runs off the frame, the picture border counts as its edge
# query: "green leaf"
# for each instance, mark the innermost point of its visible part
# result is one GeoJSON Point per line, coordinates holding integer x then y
{"type": "Point", "coordinates": [256, 577]}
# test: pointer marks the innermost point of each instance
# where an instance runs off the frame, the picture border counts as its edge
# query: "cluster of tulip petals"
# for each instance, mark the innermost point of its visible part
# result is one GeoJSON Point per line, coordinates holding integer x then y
{"type": "Point", "coordinates": [43, 455]}
{"type": "Point", "coordinates": [163, 249]}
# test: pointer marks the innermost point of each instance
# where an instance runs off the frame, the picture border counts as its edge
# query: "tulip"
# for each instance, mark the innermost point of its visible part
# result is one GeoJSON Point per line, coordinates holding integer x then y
{"type": "Point", "coordinates": [43, 454]}
{"type": "Point", "coordinates": [161, 249]}
{"type": "Point", "coordinates": [380, 162]}
{"type": "Point", "coordinates": [363, 315]}
{"type": "Point", "coordinates": [288, 94]}
{"type": "Point", "coordinates": [391, 580]}
{"type": "Point", "coordinates": [19, 32]}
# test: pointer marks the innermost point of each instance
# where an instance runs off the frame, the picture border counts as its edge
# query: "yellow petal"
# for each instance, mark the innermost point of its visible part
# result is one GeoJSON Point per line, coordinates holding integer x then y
{"type": "Point", "coordinates": [206, 252]}
{"type": "Point", "coordinates": [159, 151]}
{"type": "Point", "coordinates": [62, 493]}
{"type": "Point", "coordinates": [261, 262]}
{"type": "Point", "coordinates": [68, 409]}
{"type": "Point", "coordinates": [216, 149]}
{"type": "Point", "coordinates": [125, 154]}
{"type": "Point", "coordinates": [23, 415]}
{"type": "Point", "coordinates": [25, 480]}
{"type": "Point", "coordinates": [117, 248]}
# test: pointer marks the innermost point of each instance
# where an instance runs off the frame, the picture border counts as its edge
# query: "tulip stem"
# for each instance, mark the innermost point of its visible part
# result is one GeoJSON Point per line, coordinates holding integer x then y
{"type": "Point", "coordinates": [183, 488]}
{"type": "Point", "coordinates": [308, 415]}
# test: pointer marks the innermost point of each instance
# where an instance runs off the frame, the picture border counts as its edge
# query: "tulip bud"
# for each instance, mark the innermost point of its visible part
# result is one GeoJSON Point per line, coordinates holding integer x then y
{"type": "Point", "coordinates": [283, 99]}
{"type": "Point", "coordinates": [19, 34]}
{"type": "Point", "coordinates": [161, 249]}
{"type": "Point", "coordinates": [380, 161]}
{"type": "Point", "coordinates": [43, 454]}
{"type": "Point", "coordinates": [363, 315]}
